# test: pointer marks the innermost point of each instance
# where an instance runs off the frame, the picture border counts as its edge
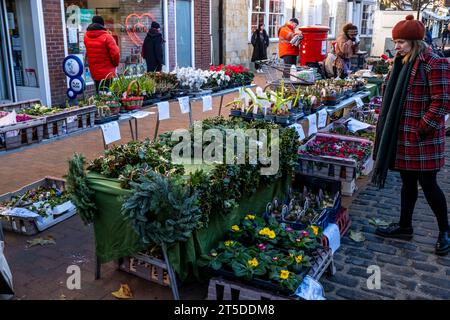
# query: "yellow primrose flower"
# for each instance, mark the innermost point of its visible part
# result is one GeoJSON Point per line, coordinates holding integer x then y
{"type": "Point", "coordinates": [284, 274]}
{"type": "Point", "coordinates": [229, 243]}
{"type": "Point", "coordinates": [235, 228]}
{"type": "Point", "coordinates": [264, 232]}
{"type": "Point", "coordinates": [315, 230]}
{"type": "Point", "coordinates": [299, 259]}
{"type": "Point", "coordinates": [213, 254]}
{"type": "Point", "coordinates": [253, 263]}
{"type": "Point", "coordinates": [250, 217]}
{"type": "Point", "coordinates": [271, 235]}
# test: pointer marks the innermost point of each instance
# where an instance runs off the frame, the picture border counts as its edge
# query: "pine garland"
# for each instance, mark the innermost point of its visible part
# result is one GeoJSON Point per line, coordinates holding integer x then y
{"type": "Point", "coordinates": [162, 210]}
{"type": "Point", "coordinates": [81, 194]}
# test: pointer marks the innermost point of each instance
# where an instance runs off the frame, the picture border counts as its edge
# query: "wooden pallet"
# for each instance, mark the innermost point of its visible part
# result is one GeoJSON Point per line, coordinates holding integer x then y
{"type": "Point", "coordinates": [22, 133]}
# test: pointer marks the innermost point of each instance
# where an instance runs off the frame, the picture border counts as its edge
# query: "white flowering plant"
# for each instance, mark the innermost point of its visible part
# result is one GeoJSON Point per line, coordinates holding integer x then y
{"type": "Point", "coordinates": [217, 79]}
{"type": "Point", "coordinates": [191, 78]}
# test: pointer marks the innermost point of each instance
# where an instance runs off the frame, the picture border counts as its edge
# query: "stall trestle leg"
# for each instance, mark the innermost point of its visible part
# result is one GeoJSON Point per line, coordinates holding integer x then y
{"type": "Point", "coordinates": [172, 276]}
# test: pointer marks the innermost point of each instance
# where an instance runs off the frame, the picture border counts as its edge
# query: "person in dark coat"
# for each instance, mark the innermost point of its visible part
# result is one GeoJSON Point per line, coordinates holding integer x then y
{"type": "Point", "coordinates": [152, 50]}
{"type": "Point", "coordinates": [260, 42]}
{"type": "Point", "coordinates": [410, 135]}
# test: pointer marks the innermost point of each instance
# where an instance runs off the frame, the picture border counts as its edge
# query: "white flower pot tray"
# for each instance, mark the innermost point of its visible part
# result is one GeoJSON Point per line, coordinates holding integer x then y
{"type": "Point", "coordinates": [30, 217]}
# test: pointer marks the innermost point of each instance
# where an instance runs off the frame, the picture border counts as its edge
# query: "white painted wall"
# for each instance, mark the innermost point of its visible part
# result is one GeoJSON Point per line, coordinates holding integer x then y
{"type": "Point", "coordinates": [382, 30]}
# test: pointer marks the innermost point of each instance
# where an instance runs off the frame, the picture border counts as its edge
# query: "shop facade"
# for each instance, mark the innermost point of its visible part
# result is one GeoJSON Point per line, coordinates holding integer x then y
{"type": "Point", "coordinates": [57, 29]}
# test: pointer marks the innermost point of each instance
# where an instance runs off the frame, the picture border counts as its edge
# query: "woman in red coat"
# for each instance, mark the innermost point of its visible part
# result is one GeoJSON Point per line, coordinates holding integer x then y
{"type": "Point", "coordinates": [103, 54]}
{"type": "Point", "coordinates": [411, 129]}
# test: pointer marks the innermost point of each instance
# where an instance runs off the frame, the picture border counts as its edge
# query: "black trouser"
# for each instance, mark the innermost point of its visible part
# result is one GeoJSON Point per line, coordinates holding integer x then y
{"type": "Point", "coordinates": [257, 66]}
{"type": "Point", "coordinates": [289, 61]}
{"type": "Point", "coordinates": [433, 193]}
{"type": "Point", "coordinates": [105, 85]}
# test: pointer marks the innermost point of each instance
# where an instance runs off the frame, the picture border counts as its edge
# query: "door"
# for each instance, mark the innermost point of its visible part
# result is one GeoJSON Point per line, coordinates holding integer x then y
{"type": "Point", "coordinates": [5, 76]}
{"type": "Point", "coordinates": [184, 33]}
{"type": "Point", "coordinates": [21, 24]}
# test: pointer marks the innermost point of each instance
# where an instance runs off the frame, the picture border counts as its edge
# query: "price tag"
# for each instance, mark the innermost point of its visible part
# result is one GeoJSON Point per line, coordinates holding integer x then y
{"type": "Point", "coordinates": [300, 131]}
{"type": "Point", "coordinates": [111, 132]}
{"type": "Point", "coordinates": [184, 104]}
{"type": "Point", "coordinates": [359, 102]}
{"type": "Point", "coordinates": [141, 114]}
{"type": "Point", "coordinates": [207, 103]}
{"type": "Point", "coordinates": [163, 110]}
{"type": "Point", "coordinates": [72, 119]}
{"type": "Point", "coordinates": [323, 116]}
{"type": "Point", "coordinates": [312, 121]}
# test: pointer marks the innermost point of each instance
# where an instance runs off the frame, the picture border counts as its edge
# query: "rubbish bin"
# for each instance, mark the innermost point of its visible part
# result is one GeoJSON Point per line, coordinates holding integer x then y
{"type": "Point", "coordinates": [314, 44]}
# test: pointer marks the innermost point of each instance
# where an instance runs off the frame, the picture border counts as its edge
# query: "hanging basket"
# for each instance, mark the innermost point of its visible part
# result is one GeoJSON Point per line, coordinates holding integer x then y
{"type": "Point", "coordinates": [133, 103]}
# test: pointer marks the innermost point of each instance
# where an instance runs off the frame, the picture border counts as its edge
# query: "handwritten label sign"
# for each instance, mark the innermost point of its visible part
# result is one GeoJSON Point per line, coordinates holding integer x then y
{"type": "Point", "coordinates": [163, 110]}
{"type": "Point", "coordinates": [359, 102]}
{"type": "Point", "coordinates": [312, 127]}
{"type": "Point", "coordinates": [111, 132]}
{"type": "Point", "coordinates": [207, 103]}
{"type": "Point", "coordinates": [323, 116]}
{"type": "Point", "coordinates": [300, 131]}
{"type": "Point", "coordinates": [184, 104]}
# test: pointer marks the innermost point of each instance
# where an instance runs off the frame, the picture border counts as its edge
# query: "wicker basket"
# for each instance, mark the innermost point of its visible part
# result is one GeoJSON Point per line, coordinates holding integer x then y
{"type": "Point", "coordinates": [133, 103]}
{"type": "Point", "coordinates": [114, 106]}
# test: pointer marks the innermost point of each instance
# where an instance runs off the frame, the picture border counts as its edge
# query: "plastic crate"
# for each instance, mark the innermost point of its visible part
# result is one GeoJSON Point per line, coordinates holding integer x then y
{"type": "Point", "coordinates": [343, 221]}
{"type": "Point", "coordinates": [234, 289]}
{"type": "Point", "coordinates": [33, 225]}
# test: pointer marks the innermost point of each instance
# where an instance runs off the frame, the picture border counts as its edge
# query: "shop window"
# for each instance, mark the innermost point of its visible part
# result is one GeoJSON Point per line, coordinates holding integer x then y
{"type": "Point", "coordinates": [127, 20]}
{"type": "Point", "coordinates": [367, 19]}
{"type": "Point", "coordinates": [271, 13]}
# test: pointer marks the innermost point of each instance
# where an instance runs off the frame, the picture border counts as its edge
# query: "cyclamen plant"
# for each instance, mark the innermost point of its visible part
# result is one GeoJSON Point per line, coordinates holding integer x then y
{"type": "Point", "coordinates": [217, 78]}
{"type": "Point", "coordinates": [191, 78]}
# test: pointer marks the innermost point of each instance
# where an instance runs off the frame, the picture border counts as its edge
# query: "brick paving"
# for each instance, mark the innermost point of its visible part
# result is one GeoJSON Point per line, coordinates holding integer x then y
{"type": "Point", "coordinates": [409, 270]}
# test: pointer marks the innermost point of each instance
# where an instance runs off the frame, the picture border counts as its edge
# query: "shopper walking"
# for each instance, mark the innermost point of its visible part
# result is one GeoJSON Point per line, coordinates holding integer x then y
{"type": "Point", "coordinates": [152, 50]}
{"type": "Point", "coordinates": [445, 36]}
{"type": "Point", "coordinates": [102, 52]}
{"type": "Point", "coordinates": [410, 133]}
{"type": "Point", "coordinates": [260, 42]}
{"type": "Point", "coordinates": [286, 50]}
{"type": "Point", "coordinates": [347, 45]}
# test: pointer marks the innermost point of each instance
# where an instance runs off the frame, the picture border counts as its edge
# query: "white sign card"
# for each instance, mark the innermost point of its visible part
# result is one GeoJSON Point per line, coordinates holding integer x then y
{"type": "Point", "coordinates": [73, 35]}
{"type": "Point", "coordinates": [323, 116]}
{"type": "Point", "coordinates": [72, 119]}
{"type": "Point", "coordinates": [163, 110]}
{"type": "Point", "coordinates": [446, 117]}
{"type": "Point", "coordinates": [356, 125]}
{"type": "Point", "coordinates": [184, 104]}
{"type": "Point", "coordinates": [207, 103]}
{"type": "Point", "coordinates": [141, 114]}
{"type": "Point", "coordinates": [300, 131]}
{"type": "Point", "coordinates": [334, 236]}
{"type": "Point", "coordinates": [359, 102]}
{"type": "Point", "coordinates": [312, 121]}
{"type": "Point", "coordinates": [111, 132]}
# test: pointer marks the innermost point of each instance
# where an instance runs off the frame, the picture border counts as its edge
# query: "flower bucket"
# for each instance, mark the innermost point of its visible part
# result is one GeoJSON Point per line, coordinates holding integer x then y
{"type": "Point", "coordinates": [133, 103]}
{"type": "Point", "coordinates": [236, 113]}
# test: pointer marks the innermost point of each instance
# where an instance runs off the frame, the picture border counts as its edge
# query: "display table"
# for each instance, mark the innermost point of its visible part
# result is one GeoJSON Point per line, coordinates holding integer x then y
{"type": "Point", "coordinates": [115, 238]}
{"type": "Point", "coordinates": [374, 89]}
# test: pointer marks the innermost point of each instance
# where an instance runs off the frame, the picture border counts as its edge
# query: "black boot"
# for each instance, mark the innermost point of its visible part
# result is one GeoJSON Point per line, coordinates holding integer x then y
{"type": "Point", "coordinates": [443, 244]}
{"type": "Point", "coordinates": [395, 231]}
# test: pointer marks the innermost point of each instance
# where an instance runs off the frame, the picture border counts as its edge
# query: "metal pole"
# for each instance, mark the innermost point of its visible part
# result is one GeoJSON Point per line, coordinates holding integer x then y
{"type": "Point", "coordinates": [172, 275]}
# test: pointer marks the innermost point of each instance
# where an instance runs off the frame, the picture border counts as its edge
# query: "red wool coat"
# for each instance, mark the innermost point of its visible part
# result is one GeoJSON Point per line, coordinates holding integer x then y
{"type": "Point", "coordinates": [427, 103]}
{"type": "Point", "coordinates": [103, 54]}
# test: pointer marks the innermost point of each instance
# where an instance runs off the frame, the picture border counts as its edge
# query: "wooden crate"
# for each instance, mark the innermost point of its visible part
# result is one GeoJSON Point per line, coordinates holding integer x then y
{"type": "Point", "coordinates": [19, 105]}
{"type": "Point", "coordinates": [70, 120]}
{"type": "Point", "coordinates": [225, 289]}
{"type": "Point", "coordinates": [146, 267]}
{"type": "Point", "coordinates": [22, 134]}
{"type": "Point", "coordinates": [27, 225]}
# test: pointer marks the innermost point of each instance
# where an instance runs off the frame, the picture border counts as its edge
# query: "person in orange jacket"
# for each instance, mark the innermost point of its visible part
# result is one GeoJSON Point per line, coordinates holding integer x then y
{"type": "Point", "coordinates": [102, 52]}
{"type": "Point", "coordinates": [286, 50]}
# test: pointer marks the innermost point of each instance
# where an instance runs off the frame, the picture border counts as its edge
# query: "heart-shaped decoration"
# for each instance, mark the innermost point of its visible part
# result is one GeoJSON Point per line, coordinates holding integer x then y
{"type": "Point", "coordinates": [136, 24]}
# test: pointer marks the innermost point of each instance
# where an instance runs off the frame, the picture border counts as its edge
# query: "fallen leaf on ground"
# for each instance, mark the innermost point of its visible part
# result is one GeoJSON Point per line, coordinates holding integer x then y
{"type": "Point", "coordinates": [357, 236]}
{"type": "Point", "coordinates": [41, 241]}
{"type": "Point", "coordinates": [62, 297]}
{"type": "Point", "coordinates": [123, 293]}
{"type": "Point", "coordinates": [378, 222]}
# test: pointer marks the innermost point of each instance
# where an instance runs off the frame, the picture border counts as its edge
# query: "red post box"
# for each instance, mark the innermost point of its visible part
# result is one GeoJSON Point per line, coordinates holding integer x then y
{"type": "Point", "coordinates": [314, 44]}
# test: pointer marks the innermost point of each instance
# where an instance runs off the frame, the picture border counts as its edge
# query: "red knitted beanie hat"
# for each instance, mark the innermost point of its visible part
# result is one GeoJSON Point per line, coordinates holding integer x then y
{"type": "Point", "coordinates": [409, 29]}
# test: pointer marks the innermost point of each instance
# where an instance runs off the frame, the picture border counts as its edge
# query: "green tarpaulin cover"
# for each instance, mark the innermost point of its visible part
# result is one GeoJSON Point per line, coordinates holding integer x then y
{"type": "Point", "coordinates": [115, 238]}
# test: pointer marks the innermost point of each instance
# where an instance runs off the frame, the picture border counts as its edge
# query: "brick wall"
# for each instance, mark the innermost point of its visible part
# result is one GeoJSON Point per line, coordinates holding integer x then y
{"type": "Point", "coordinates": [202, 34]}
{"type": "Point", "coordinates": [55, 49]}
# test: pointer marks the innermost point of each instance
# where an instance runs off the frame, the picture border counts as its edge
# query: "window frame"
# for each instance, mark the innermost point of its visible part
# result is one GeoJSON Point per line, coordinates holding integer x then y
{"type": "Point", "coordinates": [267, 13]}
{"type": "Point", "coordinates": [370, 5]}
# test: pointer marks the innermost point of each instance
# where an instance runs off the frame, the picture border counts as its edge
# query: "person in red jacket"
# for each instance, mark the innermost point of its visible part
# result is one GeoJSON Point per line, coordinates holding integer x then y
{"type": "Point", "coordinates": [103, 54]}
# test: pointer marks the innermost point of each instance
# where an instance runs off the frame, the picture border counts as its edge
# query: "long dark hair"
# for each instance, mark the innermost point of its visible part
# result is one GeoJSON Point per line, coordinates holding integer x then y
{"type": "Point", "coordinates": [258, 31]}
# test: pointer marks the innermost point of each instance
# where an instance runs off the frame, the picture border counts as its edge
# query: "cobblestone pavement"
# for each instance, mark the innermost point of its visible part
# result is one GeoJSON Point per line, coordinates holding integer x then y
{"type": "Point", "coordinates": [409, 269]}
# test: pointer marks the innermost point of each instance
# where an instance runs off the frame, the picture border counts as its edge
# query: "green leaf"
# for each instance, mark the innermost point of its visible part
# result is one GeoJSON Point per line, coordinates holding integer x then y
{"type": "Point", "coordinates": [357, 236]}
